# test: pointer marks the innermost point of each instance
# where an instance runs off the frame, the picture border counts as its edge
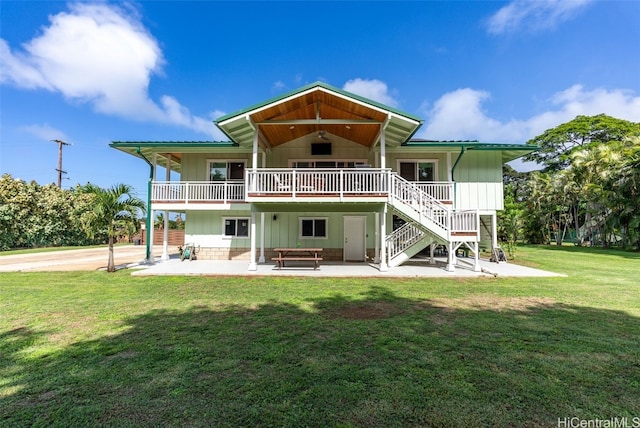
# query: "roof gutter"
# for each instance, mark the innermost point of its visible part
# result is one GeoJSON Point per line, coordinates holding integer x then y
{"type": "Point", "coordinates": [148, 221]}
{"type": "Point", "coordinates": [453, 168]}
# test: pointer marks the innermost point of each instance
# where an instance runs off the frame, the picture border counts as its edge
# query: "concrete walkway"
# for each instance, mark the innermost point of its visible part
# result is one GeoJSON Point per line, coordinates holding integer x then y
{"type": "Point", "coordinates": [81, 259]}
{"type": "Point", "coordinates": [412, 269]}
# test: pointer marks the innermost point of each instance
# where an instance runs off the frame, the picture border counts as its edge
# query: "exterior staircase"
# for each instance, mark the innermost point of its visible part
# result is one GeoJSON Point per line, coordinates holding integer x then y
{"type": "Point", "coordinates": [428, 221]}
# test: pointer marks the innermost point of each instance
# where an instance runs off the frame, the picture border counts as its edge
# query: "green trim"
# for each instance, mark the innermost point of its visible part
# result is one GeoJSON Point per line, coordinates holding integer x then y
{"type": "Point", "coordinates": [147, 144]}
{"type": "Point", "coordinates": [475, 144]}
{"type": "Point", "coordinates": [322, 85]}
{"type": "Point", "coordinates": [453, 168]}
{"type": "Point", "coordinates": [148, 224]}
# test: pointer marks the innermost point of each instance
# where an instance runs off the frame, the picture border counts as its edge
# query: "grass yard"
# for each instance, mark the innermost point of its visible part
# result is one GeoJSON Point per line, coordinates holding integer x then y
{"type": "Point", "coordinates": [99, 349]}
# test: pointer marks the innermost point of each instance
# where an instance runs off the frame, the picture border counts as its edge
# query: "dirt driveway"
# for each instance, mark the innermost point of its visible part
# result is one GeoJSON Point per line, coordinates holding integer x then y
{"type": "Point", "coordinates": [68, 260]}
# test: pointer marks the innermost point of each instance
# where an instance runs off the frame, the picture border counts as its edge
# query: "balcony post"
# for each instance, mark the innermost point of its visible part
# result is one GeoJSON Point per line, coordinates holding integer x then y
{"type": "Point", "coordinates": [376, 258]}
{"type": "Point", "coordinates": [165, 232]}
{"type": "Point", "coordinates": [293, 184]}
{"type": "Point", "coordinates": [252, 253]}
{"type": "Point", "coordinates": [383, 238]}
{"type": "Point", "coordinates": [383, 149]}
{"type": "Point", "coordinates": [262, 258]}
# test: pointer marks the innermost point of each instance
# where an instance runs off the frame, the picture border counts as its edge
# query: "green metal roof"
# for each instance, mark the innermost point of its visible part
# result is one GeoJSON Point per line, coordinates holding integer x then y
{"type": "Point", "coordinates": [509, 151]}
{"type": "Point", "coordinates": [124, 144]}
{"type": "Point", "coordinates": [146, 149]}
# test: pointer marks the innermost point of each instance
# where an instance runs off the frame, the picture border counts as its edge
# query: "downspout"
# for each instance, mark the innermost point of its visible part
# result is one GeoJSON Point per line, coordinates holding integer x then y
{"type": "Point", "coordinates": [148, 222]}
{"type": "Point", "coordinates": [453, 172]}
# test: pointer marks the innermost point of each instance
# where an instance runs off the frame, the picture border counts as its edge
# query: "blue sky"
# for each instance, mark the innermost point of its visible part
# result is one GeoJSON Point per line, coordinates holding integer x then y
{"type": "Point", "coordinates": [93, 73]}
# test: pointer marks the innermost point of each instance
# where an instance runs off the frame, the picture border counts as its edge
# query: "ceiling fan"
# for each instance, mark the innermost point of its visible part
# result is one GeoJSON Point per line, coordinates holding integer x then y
{"type": "Point", "coordinates": [321, 136]}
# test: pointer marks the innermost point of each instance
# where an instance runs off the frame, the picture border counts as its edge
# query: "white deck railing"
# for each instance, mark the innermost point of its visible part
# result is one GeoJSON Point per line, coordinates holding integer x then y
{"type": "Point", "coordinates": [197, 191]}
{"type": "Point", "coordinates": [464, 221]}
{"type": "Point", "coordinates": [440, 190]}
{"type": "Point", "coordinates": [320, 182]}
{"type": "Point", "coordinates": [428, 198]}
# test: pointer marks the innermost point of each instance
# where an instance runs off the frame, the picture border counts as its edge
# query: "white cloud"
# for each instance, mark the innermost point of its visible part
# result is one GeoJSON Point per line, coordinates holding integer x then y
{"type": "Point", "coordinates": [373, 89]}
{"type": "Point", "coordinates": [45, 132]}
{"type": "Point", "coordinates": [533, 15]}
{"type": "Point", "coordinates": [279, 86]}
{"type": "Point", "coordinates": [100, 54]}
{"type": "Point", "coordinates": [459, 114]}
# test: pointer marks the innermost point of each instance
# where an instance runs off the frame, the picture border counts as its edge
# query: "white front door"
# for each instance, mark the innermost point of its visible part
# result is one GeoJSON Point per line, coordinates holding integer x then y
{"type": "Point", "coordinates": [354, 238]}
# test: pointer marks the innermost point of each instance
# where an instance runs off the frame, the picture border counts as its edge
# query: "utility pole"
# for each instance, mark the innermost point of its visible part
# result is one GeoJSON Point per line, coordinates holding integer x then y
{"type": "Point", "coordinates": [59, 169]}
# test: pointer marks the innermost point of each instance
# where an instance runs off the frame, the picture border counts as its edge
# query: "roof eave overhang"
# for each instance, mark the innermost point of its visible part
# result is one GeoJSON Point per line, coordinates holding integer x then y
{"type": "Point", "coordinates": [241, 128]}
{"type": "Point", "coordinates": [146, 149]}
{"type": "Point", "coordinates": [509, 151]}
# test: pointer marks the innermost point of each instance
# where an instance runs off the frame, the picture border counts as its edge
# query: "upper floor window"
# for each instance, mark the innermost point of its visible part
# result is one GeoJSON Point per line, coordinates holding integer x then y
{"type": "Point", "coordinates": [339, 164]}
{"type": "Point", "coordinates": [221, 170]}
{"type": "Point", "coordinates": [418, 170]}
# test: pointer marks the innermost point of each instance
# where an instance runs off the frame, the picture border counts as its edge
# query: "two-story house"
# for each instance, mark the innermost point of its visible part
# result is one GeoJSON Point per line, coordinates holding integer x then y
{"type": "Point", "coordinates": [321, 167]}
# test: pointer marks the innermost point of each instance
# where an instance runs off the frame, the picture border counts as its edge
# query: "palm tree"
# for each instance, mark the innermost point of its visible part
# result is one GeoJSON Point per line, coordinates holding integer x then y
{"type": "Point", "coordinates": [159, 223]}
{"type": "Point", "coordinates": [110, 208]}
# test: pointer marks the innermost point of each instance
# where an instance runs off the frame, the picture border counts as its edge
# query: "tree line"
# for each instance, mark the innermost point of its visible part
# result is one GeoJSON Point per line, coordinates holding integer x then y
{"type": "Point", "coordinates": [34, 215]}
{"type": "Point", "coordinates": [587, 192]}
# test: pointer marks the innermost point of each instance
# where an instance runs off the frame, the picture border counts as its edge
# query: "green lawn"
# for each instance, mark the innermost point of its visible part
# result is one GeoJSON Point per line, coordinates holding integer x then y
{"type": "Point", "coordinates": [99, 349]}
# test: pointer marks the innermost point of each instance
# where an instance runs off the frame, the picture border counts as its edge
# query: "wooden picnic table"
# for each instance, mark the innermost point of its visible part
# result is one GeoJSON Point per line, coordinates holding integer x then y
{"type": "Point", "coordinates": [298, 254]}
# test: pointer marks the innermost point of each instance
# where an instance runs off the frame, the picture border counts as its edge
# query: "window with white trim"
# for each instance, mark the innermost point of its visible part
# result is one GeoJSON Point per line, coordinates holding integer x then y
{"type": "Point", "coordinates": [314, 227]}
{"type": "Point", "coordinates": [226, 170]}
{"type": "Point", "coordinates": [235, 227]}
{"type": "Point", "coordinates": [331, 164]}
{"type": "Point", "coordinates": [421, 170]}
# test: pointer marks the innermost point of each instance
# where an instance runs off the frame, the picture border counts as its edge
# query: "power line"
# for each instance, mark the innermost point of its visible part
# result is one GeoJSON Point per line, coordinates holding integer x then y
{"type": "Point", "coordinates": [59, 169]}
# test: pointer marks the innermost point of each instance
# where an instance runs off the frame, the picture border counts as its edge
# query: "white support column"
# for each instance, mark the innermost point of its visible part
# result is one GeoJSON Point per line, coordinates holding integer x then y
{"type": "Point", "coordinates": [254, 165]}
{"type": "Point", "coordinates": [432, 249]}
{"type": "Point", "coordinates": [165, 231]}
{"type": "Point", "coordinates": [476, 256]}
{"type": "Point", "coordinates": [376, 257]}
{"type": "Point", "coordinates": [383, 238]}
{"type": "Point", "coordinates": [494, 230]}
{"type": "Point", "coordinates": [252, 232]}
{"type": "Point", "coordinates": [254, 154]}
{"type": "Point", "coordinates": [165, 237]}
{"type": "Point", "coordinates": [451, 253]}
{"type": "Point", "coordinates": [383, 150]}
{"type": "Point", "coordinates": [262, 258]}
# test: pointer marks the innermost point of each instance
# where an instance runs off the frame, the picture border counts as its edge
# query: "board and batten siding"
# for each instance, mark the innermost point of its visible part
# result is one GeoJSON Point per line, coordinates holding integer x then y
{"type": "Point", "coordinates": [205, 228]}
{"type": "Point", "coordinates": [194, 165]}
{"type": "Point", "coordinates": [300, 149]}
{"type": "Point", "coordinates": [394, 157]}
{"type": "Point", "coordinates": [478, 181]}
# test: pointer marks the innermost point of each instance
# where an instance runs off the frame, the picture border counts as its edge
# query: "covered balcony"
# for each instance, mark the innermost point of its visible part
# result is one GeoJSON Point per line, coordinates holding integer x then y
{"type": "Point", "coordinates": [295, 185]}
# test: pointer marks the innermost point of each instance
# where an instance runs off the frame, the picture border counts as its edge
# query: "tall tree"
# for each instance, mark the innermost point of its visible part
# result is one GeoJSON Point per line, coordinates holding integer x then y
{"type": "Point", "coordinates": [111, 207]}
{"type": "Point", "coordinates": [557, 144]}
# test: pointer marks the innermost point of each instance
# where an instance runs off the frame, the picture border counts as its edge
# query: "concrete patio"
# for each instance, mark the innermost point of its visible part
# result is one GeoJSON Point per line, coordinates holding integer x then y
{"type": "Point", "coordinates": [417, 267]}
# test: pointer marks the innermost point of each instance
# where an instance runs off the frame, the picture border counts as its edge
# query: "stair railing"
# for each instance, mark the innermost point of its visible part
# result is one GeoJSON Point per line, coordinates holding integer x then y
{"type": "Point", "coordinates": [402, 239]}
{"type": "Point", "coordinates": [420, 201]}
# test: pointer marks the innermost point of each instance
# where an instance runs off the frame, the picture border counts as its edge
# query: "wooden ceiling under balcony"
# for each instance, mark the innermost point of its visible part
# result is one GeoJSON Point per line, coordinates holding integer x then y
{"type": "Point", "coordinates": [319, 111]}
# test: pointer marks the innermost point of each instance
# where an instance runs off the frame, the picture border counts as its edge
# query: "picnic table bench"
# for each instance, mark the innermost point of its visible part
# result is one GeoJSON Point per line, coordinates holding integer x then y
{"type": "Point", "coordinates": [298, 254]}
